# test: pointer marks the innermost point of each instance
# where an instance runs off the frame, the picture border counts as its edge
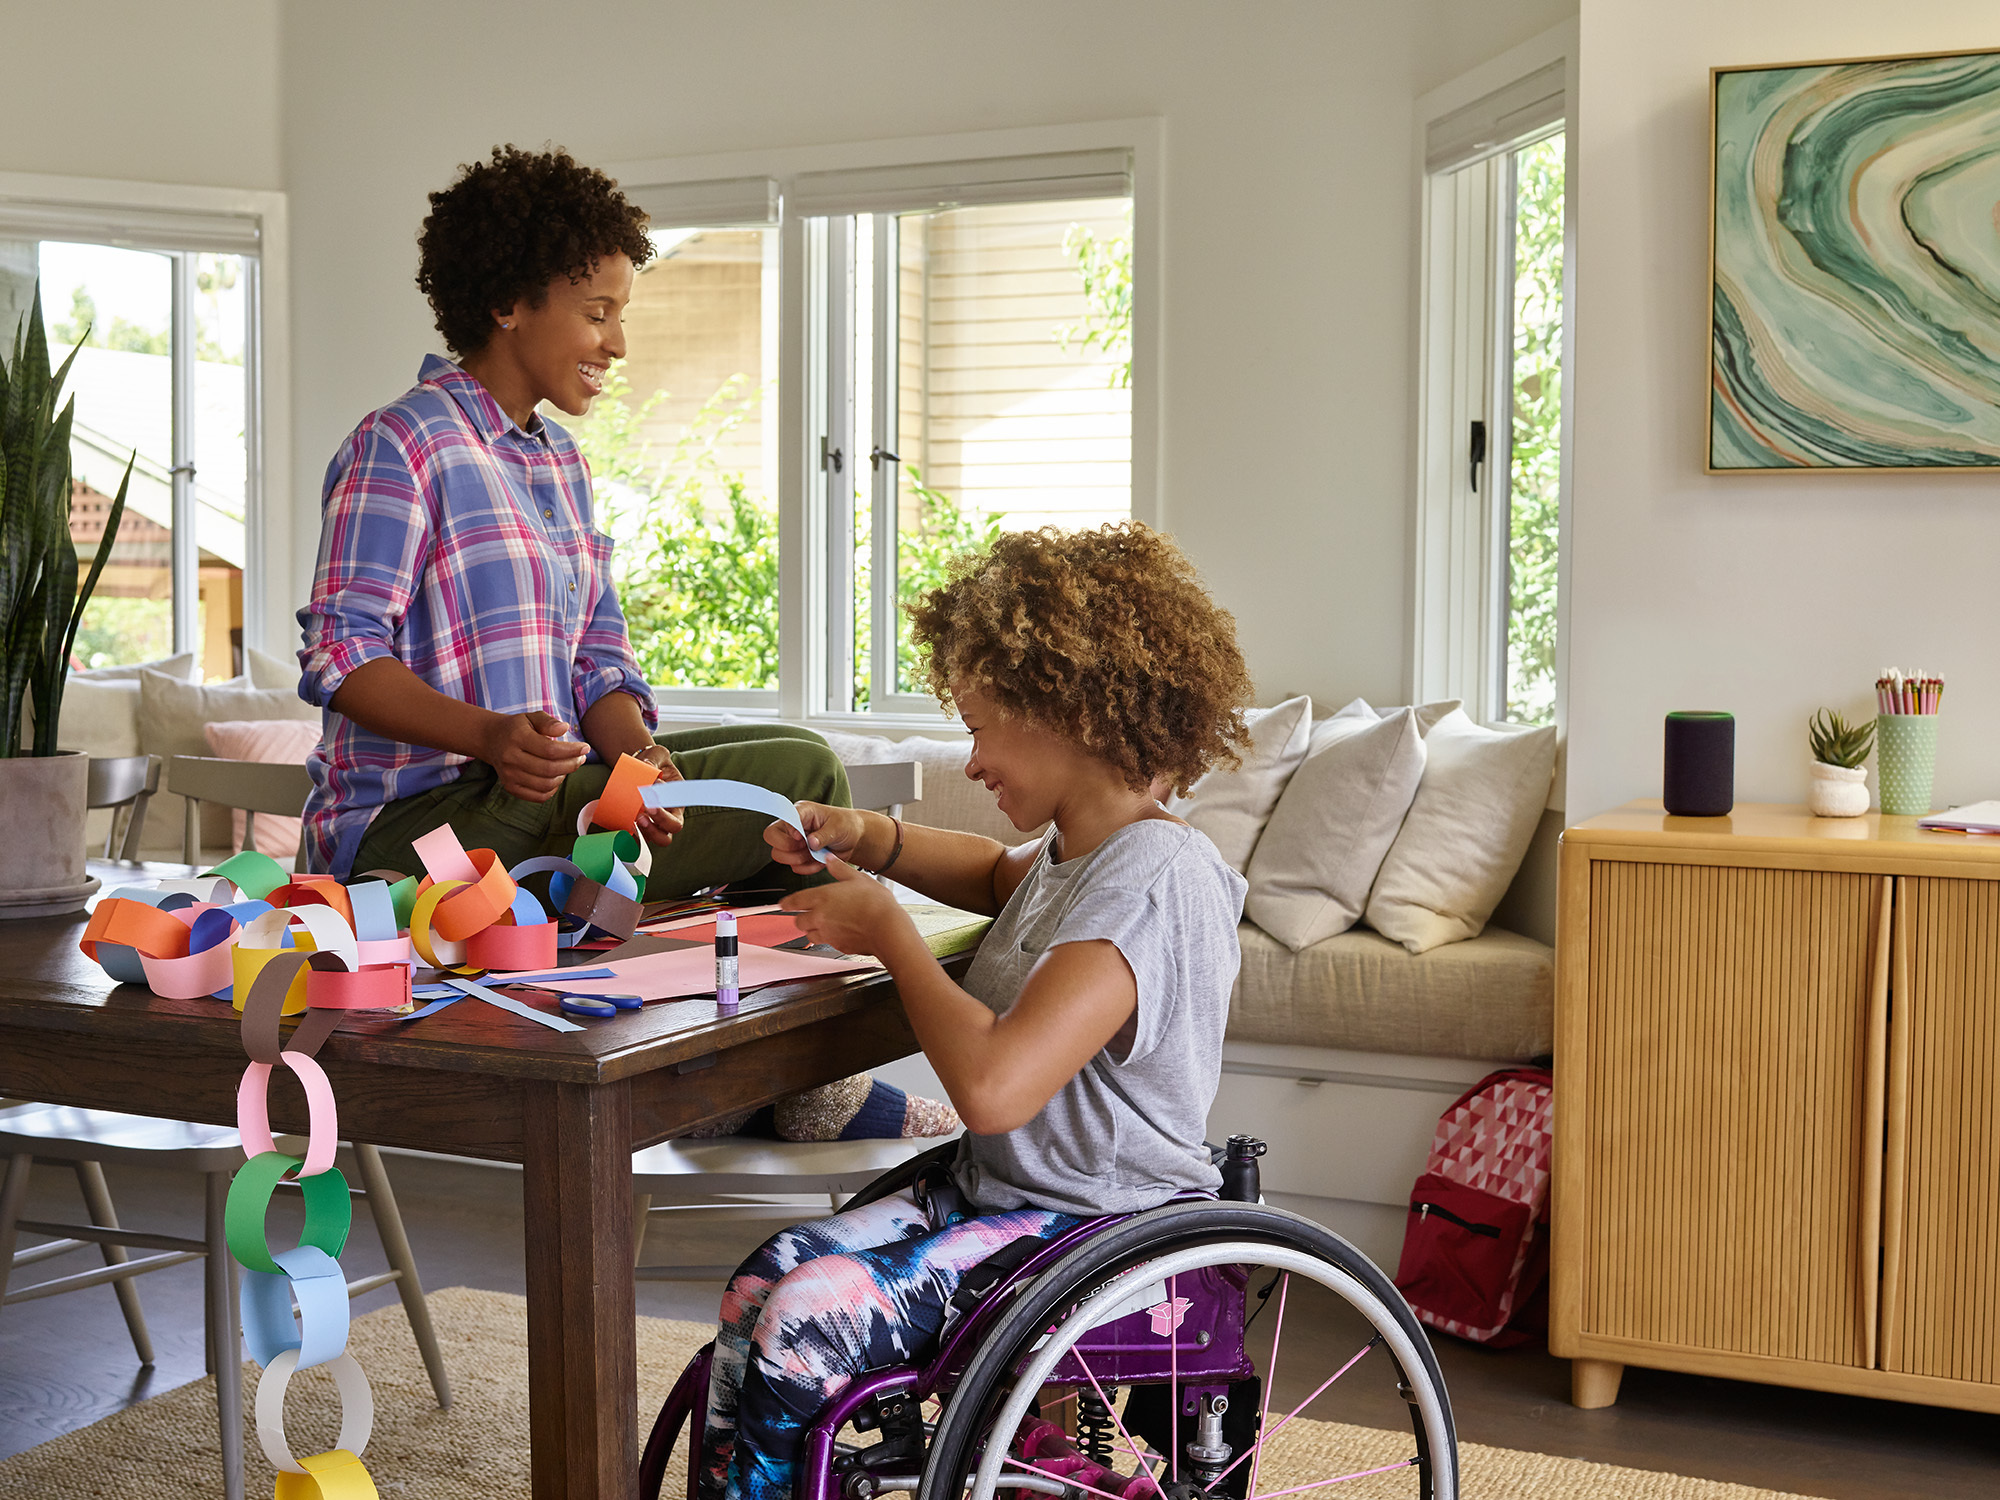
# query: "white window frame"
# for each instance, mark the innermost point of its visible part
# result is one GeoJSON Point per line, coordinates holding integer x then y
{"type": "Point", "coordinates": [185, 218]}
{"type": "Point", "coordinates": [807, 557]}
{"type": "Point", "coordinates": [1465, 349]}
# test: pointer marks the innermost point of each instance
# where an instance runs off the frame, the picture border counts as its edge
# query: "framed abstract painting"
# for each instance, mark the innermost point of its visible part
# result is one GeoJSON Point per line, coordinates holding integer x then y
{"type": "Point", "coordinates": [1855, 258]}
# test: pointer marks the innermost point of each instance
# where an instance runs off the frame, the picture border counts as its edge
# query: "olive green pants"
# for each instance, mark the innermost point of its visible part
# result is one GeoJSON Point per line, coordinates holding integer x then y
{"type": "Point", "coordinates": [718, 845]}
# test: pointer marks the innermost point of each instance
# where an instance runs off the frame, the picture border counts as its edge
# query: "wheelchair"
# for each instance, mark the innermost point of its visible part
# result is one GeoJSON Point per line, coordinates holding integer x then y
{"type": "Point", "coordinates": [1123, 1360]}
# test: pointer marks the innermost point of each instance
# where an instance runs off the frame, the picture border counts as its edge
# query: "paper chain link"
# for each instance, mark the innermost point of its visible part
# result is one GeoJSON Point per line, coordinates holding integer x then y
{"type": "Point", "coordinates": [276, 944]}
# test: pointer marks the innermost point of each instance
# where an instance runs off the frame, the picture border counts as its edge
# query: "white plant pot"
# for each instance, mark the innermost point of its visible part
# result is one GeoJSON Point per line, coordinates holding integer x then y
{"type": "Point", "coordinates": [1837, 791]}
{"type": "Point", "coordinates": [42, 805]}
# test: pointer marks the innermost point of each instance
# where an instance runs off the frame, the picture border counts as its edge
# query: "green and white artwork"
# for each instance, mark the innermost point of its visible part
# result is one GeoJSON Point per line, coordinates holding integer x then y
{"type": "Point", "coordinates": [1857, 266]}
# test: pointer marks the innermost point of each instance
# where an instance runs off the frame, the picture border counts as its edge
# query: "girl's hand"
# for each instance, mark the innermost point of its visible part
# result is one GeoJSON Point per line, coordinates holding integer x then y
{"type": "Point", "coordinates": [856, 914]}
{"type": "Point", "coordinates": [835, 829]}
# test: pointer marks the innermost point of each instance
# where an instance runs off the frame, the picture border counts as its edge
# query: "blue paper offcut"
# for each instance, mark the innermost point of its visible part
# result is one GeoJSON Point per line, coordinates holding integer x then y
{"type": "Point", "coordinates": [717, 793]}
{"type": "Point", "coordinates": [519, 1008]}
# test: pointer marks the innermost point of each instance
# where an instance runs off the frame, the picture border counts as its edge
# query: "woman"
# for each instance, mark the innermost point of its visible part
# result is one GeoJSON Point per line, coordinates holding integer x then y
{"type": "Point", "coordinates": [463, 634]}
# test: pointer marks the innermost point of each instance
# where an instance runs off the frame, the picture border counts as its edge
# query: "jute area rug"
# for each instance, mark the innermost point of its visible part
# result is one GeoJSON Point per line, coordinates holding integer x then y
{"type": "Point", "coordinates": [166, 1448]}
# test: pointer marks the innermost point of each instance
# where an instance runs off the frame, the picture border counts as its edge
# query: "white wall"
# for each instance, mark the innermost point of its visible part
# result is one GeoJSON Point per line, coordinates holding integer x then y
{"type": "Point", "coordinates": [1288, 330]}
{"type": "Point", "coordinates": [143, 91]}
{"type": "Point", "coordinates": [1767, 595]}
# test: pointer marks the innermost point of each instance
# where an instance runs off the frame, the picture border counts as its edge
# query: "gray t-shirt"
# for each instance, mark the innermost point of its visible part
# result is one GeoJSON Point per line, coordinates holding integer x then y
{"type": "Point", "coordinates": [1126, 1132]}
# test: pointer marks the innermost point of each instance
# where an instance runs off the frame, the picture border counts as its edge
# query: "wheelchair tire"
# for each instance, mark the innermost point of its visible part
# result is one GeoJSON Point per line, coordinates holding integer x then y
{"type": "Point", "coordinates": [1004, 1379]}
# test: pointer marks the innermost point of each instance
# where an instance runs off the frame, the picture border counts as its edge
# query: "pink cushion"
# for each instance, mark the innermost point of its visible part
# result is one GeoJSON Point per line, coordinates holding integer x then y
{"type": "Point", "coordinates": [277, 742]}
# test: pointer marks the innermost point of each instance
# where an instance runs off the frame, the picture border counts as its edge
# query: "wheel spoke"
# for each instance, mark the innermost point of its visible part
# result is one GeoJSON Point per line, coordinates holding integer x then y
{"type": "Point", "coordinates": [1265, 1437]}
{"type": "Point", "coordinates": [1270, 1378]}
{"type": "Point", "coordinates": [1132, 1447]}
{"type": "Point", "coordinates": [1401, 1463]}
{"type": "Point", "coordinates": [1173, 1390]}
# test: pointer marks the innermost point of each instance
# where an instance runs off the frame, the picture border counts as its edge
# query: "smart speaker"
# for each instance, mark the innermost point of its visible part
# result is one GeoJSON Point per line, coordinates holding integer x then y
{"type": "Point", "coordinates": [1700, 764]}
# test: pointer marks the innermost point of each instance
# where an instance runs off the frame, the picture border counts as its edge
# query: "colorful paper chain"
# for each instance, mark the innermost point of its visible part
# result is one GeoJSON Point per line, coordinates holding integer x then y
{"type": "Point", "coordinates": [275, 944]}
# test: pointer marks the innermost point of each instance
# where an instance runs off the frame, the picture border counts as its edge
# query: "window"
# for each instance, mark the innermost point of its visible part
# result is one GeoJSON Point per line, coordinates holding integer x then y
{"type": "Point", "coordinates": [162, 311]}
{"type": "Point", "coordinates": [1492, 467]}
{"type": "Point", "coordinates": [924, 354]}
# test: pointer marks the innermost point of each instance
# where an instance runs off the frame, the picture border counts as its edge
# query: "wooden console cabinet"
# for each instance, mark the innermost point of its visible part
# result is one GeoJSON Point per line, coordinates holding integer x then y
{"type": "Point", "coordinates": [1777, 1113]}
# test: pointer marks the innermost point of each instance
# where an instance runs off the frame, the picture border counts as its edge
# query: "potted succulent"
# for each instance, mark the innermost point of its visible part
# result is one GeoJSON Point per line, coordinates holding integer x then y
{"type": "Point", "coordinates": [43, 790]}
{"type": "Point", "coordinates": [1839, 786]}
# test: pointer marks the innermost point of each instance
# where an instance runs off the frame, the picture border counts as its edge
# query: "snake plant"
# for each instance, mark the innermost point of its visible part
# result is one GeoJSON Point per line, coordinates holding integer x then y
{"type": "Point", "coordinates": [40, 604]}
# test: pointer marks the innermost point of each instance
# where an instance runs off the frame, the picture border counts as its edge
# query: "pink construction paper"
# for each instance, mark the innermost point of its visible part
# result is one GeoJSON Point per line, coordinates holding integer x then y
{"type": "Point", "coordinates": [691, 971]}
{"type": "Point", "coordinates": [444, 856]}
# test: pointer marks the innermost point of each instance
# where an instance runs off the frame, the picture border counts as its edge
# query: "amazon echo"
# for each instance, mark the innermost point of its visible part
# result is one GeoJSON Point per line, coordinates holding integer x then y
{"type": "Point", "coordinates": [1700, 764]}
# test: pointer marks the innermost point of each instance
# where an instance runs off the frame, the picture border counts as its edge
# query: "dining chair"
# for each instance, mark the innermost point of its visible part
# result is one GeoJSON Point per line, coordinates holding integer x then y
{"type": "Point", "coordinates": [741, 1176]}
{"type": "Point", "coordinates": [84, 1139]}
{"type": "Point", "coordinates": [123, 781]}
{"type": "Point", "coordinates": [253, 786]}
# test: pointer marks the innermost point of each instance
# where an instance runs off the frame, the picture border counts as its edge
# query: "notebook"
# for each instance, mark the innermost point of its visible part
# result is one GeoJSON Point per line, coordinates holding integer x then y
{"type": "Point", "coordinates": [1976, 817]}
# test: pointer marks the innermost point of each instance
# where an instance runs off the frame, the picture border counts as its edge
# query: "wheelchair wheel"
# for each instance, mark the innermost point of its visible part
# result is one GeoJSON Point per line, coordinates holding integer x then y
{"type": "Point", "coordinates": [1336, 1382]}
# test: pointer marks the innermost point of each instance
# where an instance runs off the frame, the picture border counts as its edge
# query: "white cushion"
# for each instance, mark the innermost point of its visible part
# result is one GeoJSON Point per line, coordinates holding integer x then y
{"type": "Point", "coordinates": [1427, 715]}
{"type": "Point", "coordinates": [1232, 807]}
{"type": "Point", "coordinates": [951, 799]}
{"type": "Point", "coordinates": [1476, 809]}
{"type": "Point", "coordinates": [172, 716]}
{"type": "Point", "coordinates": [268, 671]}
{"type": "Point", "coordinates": [1334, 823]}
{"type": "Point", "coordinates": [181, 666]}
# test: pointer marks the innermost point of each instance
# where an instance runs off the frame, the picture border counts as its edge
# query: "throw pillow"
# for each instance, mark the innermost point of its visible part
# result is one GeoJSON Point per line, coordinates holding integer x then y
{"type": "Point", "coordinates": [1475, 812]}
{"type": "Point", "coordinates": [951, 799]}
{"type": "Point", "coordinates": [274, 741]}
{"type": "Point", "coordinates": [172, 714]}
{"type": "Point", "coordinates": [1332, 827]}
{"type": "Point", "coordinates": [1232, 807]}
{"type": "Point", "coordinates": [268, 671]}
{"type": "Point", "coordinates": [1428, 715]}
{"type": "Point", "coordinates": [181, 666]}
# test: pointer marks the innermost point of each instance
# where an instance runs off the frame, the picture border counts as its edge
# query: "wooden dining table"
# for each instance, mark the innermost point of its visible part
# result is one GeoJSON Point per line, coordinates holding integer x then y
{"type": "Point", "coordinates": [473, 1080]}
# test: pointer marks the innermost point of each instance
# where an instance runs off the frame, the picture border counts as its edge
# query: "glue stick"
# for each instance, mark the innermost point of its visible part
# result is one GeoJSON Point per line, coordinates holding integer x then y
{"type": "Point", "coordinates": [725, 962]}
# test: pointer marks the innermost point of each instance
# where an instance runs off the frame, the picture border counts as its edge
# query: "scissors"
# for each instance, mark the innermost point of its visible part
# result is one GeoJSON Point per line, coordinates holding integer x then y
{"type": "Point", "coordinates": [597, 1006]}
{"type": "Point", "coordinates": [585, 1007]}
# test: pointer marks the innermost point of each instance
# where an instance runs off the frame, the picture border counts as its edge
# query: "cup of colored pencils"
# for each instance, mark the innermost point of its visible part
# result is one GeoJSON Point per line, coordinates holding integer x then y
{"type": "Point", "coordinates": [1906, 739]}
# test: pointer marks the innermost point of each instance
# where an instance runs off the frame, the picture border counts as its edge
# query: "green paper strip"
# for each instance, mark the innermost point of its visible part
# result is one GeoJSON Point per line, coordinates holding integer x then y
{"type": "Point", "coordinates": [329, 1210]}
{"type": "Point", "coordinates": [253, 873]}
{"type": "Point", "coordinates": [404, 894]}
{"type": "Point", "coordinates": [594, 853]}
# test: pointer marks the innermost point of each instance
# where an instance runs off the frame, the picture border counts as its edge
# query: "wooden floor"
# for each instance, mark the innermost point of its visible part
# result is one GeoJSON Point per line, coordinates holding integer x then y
{"type": "Point", "coordinates": [66, 1361]}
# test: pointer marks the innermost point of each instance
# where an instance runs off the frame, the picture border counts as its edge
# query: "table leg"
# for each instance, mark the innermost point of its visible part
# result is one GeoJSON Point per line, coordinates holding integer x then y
{"type": "Point", "coordinates": [583, 1371]}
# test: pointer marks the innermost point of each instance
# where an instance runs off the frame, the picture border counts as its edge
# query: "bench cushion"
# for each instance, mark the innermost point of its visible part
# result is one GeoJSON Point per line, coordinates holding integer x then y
{"type": "Point", "coordinates": [1492, 996]}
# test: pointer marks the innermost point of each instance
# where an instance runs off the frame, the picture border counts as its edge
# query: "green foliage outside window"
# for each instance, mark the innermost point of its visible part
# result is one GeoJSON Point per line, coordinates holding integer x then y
{"type": "Point", "coordinates": [1537, 433]}
{"type": "Point", "coordinates": [1106, 268]}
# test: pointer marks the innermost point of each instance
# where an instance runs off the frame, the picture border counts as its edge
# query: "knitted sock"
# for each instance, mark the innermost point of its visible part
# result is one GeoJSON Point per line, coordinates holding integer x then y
{"type": "Point", "coordinates": [860, 1108]}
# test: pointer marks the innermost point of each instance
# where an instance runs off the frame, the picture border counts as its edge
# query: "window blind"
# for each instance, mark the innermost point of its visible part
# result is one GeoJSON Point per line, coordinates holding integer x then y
{"type": "Point", "coordinates": [719, 203]}
{"type": "Point", "coordinates": [124, 224]}
{"type": "Point", "coordinates": [1103, 173]}
{"type": "Point", "coordinates": [1499, 121]}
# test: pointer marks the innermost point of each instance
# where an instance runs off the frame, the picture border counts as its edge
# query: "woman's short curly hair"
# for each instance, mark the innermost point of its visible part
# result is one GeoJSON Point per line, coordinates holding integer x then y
{"type": "Point", "coordinates": [509, 226]}
{"type": "Point", "coordinates": [1106, 638]}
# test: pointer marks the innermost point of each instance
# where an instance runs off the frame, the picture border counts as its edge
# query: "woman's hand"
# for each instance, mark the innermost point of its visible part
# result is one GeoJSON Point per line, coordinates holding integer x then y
{"type": "Point", "coordinates": [856, 914]}
{"type": "Point", "coordinates": [658, 825]}
{"type": "Point", "coordinates": [529, 754]}
{"type": "Point", "coordinates": [837, 830]}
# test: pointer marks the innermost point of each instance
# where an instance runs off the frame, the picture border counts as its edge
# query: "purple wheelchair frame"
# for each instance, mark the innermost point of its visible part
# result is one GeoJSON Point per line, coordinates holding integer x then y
{"type": "Point", "coordinates": [1196, 1333]}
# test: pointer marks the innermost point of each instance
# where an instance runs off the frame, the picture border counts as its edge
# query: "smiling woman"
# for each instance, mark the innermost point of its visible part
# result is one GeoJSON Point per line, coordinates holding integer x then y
{"type": "Point", "coordinates": [463, 634]}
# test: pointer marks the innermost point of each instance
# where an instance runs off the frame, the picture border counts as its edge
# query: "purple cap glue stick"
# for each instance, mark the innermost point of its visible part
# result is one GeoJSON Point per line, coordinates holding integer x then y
{"type": "Point", "coordinates": [725, 962]}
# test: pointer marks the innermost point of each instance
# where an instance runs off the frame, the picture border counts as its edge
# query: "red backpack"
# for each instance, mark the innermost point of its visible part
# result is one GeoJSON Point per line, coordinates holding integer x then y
{"type": "Point", "coordinates": [1475, 1252]}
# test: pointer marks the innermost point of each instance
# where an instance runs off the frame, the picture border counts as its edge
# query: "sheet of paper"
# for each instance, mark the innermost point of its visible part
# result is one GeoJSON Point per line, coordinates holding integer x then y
{"type": "Point", "coordinates": [718, 793]}
{"type": "Point", "coordinates": [1976, 817]}
{"type": "Point", "coordinates": [691, 971]}
{"type": "Point", "coordinates": [704, 918]}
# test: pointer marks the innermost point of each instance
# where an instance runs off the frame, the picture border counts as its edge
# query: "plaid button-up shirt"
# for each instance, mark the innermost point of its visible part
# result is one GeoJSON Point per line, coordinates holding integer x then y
{"type": "Point", "coordinates": [462, 546]}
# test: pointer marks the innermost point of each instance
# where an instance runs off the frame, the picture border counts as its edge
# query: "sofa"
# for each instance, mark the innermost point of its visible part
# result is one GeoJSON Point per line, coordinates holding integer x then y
{"type": "Point", "coordinates": [1343, 1051]}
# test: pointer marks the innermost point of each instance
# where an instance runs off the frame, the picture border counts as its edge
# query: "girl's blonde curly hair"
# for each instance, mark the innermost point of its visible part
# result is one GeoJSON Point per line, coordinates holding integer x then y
{"type": "Point", "coordinates": [1106, 638]}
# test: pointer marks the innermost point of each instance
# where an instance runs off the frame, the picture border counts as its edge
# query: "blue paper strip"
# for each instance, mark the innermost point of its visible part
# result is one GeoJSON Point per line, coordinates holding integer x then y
{"type": "Point", "coordinates": [316, 1280]}
{"type": "Point", "coordinates": [718, 793]}
{"type": "Point", "coordinates": [526, 1012]}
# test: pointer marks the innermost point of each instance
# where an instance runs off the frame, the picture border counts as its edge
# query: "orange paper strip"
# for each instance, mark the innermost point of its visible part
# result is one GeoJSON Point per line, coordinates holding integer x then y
{"type": "Point", "coordinates": [618, 805]}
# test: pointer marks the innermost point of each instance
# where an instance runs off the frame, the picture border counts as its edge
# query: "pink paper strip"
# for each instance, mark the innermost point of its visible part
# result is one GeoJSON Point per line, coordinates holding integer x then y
{"type": "Point", "coordinates": [444, 856]}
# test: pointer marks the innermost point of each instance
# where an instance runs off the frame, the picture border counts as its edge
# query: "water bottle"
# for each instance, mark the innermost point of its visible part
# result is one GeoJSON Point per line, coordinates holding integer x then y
{"type": "Point", "coordinates": [1241, 1181]}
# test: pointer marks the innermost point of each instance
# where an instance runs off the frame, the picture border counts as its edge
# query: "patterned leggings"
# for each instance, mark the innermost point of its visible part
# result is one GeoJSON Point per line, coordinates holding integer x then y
{"type": "Point", "coordinates": [819, 1304]}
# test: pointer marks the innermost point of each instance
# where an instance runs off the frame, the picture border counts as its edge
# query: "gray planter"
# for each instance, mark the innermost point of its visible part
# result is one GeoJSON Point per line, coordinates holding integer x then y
{"type": "Point", "coordinates": [42, 803]}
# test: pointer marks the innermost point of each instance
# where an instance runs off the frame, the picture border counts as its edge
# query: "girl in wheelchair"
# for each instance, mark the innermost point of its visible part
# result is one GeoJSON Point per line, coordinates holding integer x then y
{"type": "Point", "coordinates": [1084, 1048]}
